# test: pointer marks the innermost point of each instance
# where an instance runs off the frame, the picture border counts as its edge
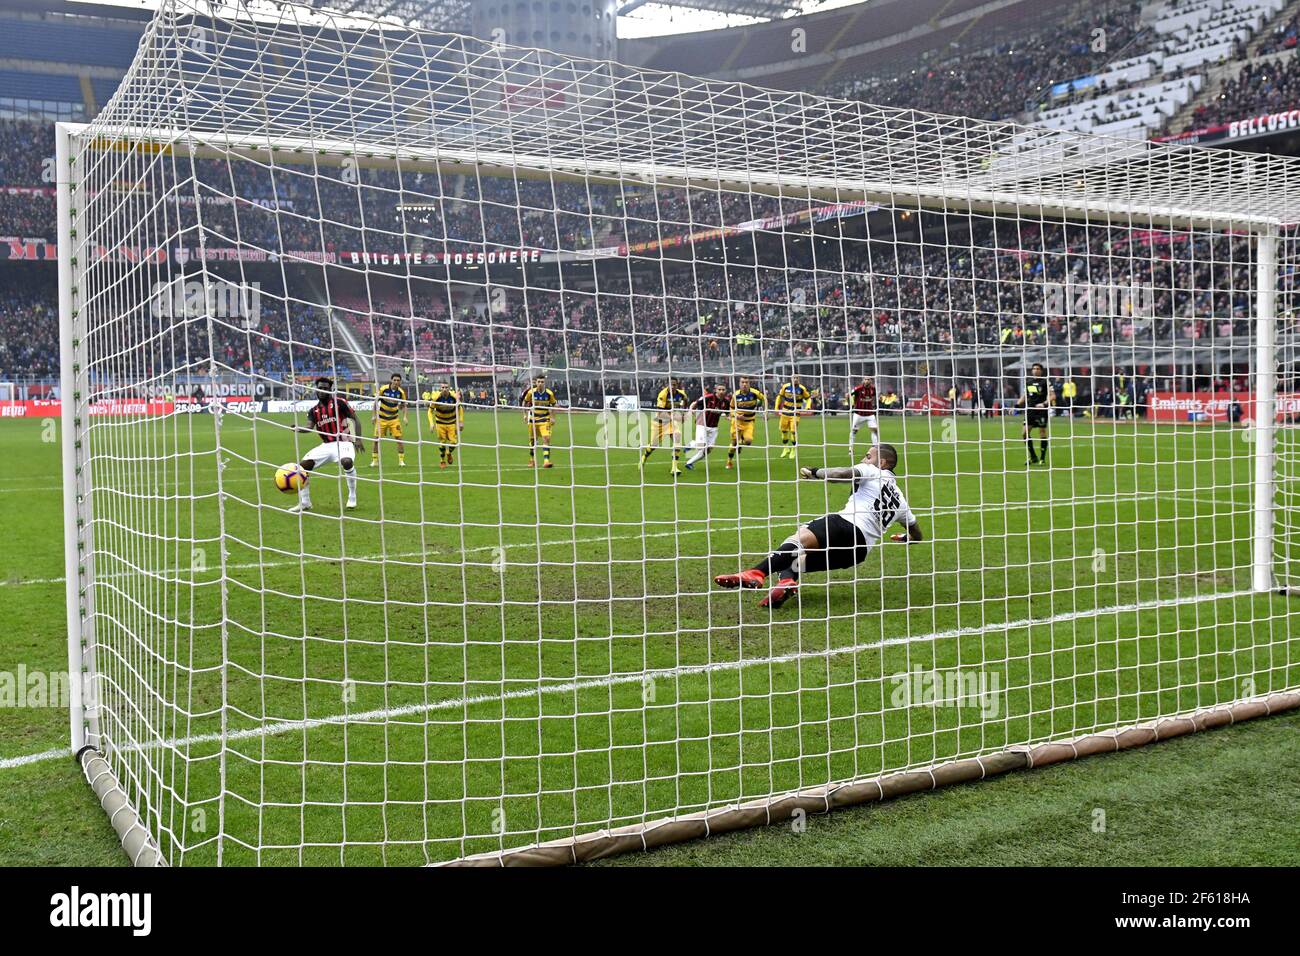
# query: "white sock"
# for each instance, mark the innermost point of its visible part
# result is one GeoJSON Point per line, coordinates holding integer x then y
{"type": "Point", "coordinates": [352, 483]}
{"type": "Point", "coordinates": [304, 496]}
{"type": "Point", "coordinates": [696, 457]}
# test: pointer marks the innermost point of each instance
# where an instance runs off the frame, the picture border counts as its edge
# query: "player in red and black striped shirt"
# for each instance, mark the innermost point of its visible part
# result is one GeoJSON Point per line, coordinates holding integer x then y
{"type": "Point", "coordinates": [864, 412]}
{"type": "Point", "coordinates": [329, 419]}
{"type": "Point", "coordinates": [714, 405]}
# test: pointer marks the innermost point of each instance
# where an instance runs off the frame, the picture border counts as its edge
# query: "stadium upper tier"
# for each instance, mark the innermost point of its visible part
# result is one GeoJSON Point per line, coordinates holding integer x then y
{"type": "Point", "coordinates": [57, 41]}
{"type": "Point", "coordinates": [1266, 86]}
{"type": "Point", "coordinates": [1120, 67]}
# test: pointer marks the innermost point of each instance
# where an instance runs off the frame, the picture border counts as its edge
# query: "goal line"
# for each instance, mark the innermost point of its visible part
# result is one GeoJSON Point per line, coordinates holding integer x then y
{"type": "Point", "coordinates": [824, 799]}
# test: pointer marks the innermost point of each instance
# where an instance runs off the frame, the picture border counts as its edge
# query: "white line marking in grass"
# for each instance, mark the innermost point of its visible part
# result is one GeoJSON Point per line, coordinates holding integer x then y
{"type": "Point", "coordinates": [9, 763]}
{"type": "Point", "coordinates": [616, 460]}
{"type": "Point", "coordinates": [755, 525]}
{"type": "Point", "coordinates": [596, 683]}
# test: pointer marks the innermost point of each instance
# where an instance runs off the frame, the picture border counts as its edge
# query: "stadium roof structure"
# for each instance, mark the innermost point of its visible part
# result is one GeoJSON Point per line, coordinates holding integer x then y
{"type": "Point", "coordinates": [455, 15]}
{"type": "Point", "coordinates": [452, 15]}
{"type": "Point", "coordinates": [763, 9]}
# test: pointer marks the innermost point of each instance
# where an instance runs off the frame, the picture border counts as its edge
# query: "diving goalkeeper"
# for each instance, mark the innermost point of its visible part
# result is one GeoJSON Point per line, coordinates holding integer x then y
{"type": "Point", "coordinates": [837, 540]}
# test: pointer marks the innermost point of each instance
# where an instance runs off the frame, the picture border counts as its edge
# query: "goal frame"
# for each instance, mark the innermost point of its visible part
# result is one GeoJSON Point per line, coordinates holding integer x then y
{"type": "Point", "coordinates": [139, 842]}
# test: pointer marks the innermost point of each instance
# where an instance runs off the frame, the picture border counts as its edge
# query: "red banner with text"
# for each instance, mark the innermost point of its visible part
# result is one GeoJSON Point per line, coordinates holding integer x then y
{"type": "Point", "coordinates": [930, 402]}
{"type": "Point", "coordinates": [1216, 407]}
{"type": "Point", "coordinates": [52, 407]}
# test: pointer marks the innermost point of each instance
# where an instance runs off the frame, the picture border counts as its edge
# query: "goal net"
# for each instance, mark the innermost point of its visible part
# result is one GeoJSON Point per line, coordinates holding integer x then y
{"type": "Point", "coordinates": [525, 278]}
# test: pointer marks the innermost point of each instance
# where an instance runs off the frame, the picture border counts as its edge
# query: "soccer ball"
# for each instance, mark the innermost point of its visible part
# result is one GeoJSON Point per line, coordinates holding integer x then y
{"type": "Point", "coordinates": [290, 477]}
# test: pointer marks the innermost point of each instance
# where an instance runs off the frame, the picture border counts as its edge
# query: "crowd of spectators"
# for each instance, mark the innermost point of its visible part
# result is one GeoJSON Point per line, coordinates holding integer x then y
{"type": "Point", "coordinates": [26, 215]}
{"type": "Point", "coordinates": [280, 341]}
{"type": "Point", "coordinates": [29, 328]}
{"type": "Point", "coordinates": [1007, 79]}
{"type": "Point", "coordinates": [1267, 86]}
{"type": "Point", "coordinates": [1282, 36]}
{"type": "Point", "coordinates": [25, 148]}
{"type": "Point", "coordinates": [290, 208]}
{"type": "Point", "coordinates": [1002, 285]}
{"type": "Point", "coordinates": [1020, 286]}
{"type": "Point", "coordinates": [1007, 284]}
{"type": "Point", "coordinates": [998, 82]}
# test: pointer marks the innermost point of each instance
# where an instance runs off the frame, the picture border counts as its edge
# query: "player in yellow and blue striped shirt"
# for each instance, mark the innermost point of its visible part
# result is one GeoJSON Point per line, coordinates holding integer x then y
{"type": "Point", "coordinates": [390, 415]}
{"type": "Point", "coordinates": [670, 417]}
{"type": "Point", "coordinates": [747, 403]}
{"type": "Point", "coordinates": [539, 403]}
{"type": "Point", "coordinates": [792, 399]}
{"type": "Point", "coordinates": [447, 418]}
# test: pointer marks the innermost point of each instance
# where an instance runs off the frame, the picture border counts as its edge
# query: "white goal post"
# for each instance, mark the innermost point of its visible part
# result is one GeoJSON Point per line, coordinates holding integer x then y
{"type": "Point", "coordinates": [493, 634]}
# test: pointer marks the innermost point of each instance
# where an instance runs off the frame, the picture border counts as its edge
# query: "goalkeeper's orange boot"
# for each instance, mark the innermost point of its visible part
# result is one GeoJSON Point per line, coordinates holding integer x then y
{"type": "Point", "coordinates": [785, 589]}
{"type": "Point", "coordinates": [753, 578]}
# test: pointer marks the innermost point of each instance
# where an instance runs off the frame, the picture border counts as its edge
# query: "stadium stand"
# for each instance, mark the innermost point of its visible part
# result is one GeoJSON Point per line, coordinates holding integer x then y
{"type": "Point", "coordinates": [1263, 86]}
{"type": "Point", "coordinates": [1124, 68]}
{"type": "Point", "coordinates": [23, 147]}
{"type": "Point", "coordinates": [40, 94]}
{"type": "Point", "coordinates": [896, 300]}
{"type": "Point", "coordinates": [53, 41]}
{"type": "Point", "coordinates": [29, 340]}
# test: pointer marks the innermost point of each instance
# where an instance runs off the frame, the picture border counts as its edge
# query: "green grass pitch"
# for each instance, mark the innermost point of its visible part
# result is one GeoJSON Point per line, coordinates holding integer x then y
{"type": "Point", "coordinates": [493, 655]}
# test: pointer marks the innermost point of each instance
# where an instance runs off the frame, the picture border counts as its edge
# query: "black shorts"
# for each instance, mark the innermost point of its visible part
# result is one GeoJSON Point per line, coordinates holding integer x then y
{"type": "Point", "coordinates": [842, 544]}
{"type": "Point", "coordinates": [1036, 417]}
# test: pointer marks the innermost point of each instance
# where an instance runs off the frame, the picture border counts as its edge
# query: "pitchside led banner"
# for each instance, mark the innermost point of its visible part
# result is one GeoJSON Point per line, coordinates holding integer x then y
{"type": "Point", "coordinates": [1209, 407]}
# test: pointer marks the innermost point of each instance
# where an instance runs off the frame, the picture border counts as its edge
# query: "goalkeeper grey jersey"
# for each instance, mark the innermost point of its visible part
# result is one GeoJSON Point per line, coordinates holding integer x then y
{"type": "Point", "coordinates": [876, 503]}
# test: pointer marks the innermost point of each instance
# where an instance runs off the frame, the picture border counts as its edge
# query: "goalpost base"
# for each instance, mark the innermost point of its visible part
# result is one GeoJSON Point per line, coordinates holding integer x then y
{"type": "Point", "coordinates": [823, 799]}
{"type": "Point", "coordinates": [136, 840]}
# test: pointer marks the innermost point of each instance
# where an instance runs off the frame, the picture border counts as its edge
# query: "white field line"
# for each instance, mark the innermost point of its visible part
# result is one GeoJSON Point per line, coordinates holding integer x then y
{"type": "Point", "coordinates": [669, 673]}
{"type": "Point", "coordinates": [10, 762]}
{"type": "Point", "coordinates": [393, 473]}
{"type": "Point", "coordinates": [616, 460]}
{"type": "Point", "coordinates": [944, 510]}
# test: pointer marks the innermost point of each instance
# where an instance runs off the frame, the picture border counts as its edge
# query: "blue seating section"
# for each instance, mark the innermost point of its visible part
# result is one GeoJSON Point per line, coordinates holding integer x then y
{"type": "Point", "coordinates": [39, 86]}
{"type": "Point", "coordinates": [104, 90]}
{"type": "Point", "coordinates": [67, 43]}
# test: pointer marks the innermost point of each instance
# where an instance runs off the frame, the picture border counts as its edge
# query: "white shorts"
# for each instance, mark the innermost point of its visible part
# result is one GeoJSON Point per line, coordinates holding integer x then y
{"type": "Point", "coordinates": [705, 437]}
{"type": "Point", "coordinates": [331, 451]}
{"type": "Point", "coordinates": [860, 420]}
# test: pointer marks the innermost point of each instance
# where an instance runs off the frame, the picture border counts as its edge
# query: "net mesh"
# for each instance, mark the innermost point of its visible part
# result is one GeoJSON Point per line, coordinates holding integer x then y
{"type": "Point", "coordinates": [515, 636]}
